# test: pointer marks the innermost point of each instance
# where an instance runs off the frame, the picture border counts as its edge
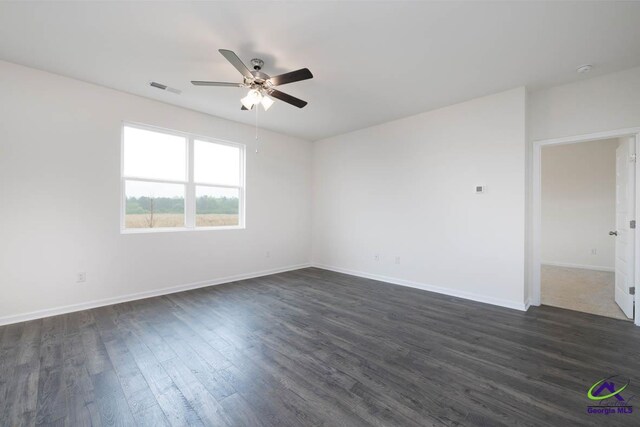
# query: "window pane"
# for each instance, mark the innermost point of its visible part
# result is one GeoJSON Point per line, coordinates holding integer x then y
{"type": "Point", "coordinates": [217, 207]}
{"type": "Point", "coordinates": [154, 155]}
{"type": "Point", "coordinates": [154, 205]}
{"type": "Point", "coordinates": [216, 163]}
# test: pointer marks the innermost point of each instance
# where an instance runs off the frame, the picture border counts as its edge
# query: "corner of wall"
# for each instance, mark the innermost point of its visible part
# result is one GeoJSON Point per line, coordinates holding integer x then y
{"type": "Point", "coordinates": [528, 248]}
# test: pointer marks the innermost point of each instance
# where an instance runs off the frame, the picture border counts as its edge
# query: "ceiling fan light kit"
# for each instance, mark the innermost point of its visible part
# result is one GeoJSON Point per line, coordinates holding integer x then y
{"type": "Point", "coordinates": [255, 97]}
{"type": "Point", "coordinates": [261, 86]}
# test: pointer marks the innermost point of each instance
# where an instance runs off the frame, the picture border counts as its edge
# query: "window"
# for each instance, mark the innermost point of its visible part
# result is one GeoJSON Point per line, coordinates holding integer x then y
{"type": "Point", "coordinates": [177, 181]}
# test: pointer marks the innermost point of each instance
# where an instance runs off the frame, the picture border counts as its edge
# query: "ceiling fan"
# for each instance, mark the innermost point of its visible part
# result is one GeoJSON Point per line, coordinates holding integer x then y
{"type": "Point", "coordinates": [261, 86]}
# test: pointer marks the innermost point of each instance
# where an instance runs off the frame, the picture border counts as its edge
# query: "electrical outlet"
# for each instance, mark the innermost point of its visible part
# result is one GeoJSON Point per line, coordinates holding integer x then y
{"type": "Point", "coordinates": [82, 277]}
{"type": "Point", "coordinates": [594, 251]}
{"type": "Point", "coordinates": [397, 260]}
{"type": "Point", "coordinates": [376, 257]}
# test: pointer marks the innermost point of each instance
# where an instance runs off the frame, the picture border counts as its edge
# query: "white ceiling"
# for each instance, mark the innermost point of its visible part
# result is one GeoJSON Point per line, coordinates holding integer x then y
{"type": "Point", "coordinates": [372, 61]}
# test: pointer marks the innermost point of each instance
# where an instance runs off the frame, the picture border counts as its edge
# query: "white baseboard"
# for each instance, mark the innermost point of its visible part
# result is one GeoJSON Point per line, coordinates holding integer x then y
{"type": "Point", "coordinates": [582, 266]}
{"type": "Point", "coordinates": [431, 288]}
{"type": "Point", "coordinates": [6, 320]}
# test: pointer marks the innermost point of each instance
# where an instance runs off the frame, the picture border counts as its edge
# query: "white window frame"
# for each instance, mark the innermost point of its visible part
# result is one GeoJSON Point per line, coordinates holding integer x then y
{"type": "Point", "coordinates": [190, 185]}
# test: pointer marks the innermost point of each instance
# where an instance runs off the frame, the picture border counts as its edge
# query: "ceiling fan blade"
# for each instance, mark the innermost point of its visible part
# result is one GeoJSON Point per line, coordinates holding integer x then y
{"type": "Point", "coordinates": [293, 76]}
{"type": "Point", "coordinates": [225, 84]}
{"type": "Point", "coordinates": [287, 98]}
{"type": "Point", "coordinates": [236, 62]}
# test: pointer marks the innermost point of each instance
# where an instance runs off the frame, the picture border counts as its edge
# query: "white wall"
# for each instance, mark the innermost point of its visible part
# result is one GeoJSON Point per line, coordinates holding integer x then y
{"type": "Point", "coordinates": [578, 204]}
{"type": "Point", "coordinates": [598, 104]}
{"type": "Point", "coordinates": [406, 189]}
{"type": "Point", "coordinates": [60, 199]}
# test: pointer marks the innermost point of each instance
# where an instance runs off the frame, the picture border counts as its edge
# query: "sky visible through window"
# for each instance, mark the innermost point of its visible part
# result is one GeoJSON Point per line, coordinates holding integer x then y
{"type": "Point", "coordinates": [154, 155]}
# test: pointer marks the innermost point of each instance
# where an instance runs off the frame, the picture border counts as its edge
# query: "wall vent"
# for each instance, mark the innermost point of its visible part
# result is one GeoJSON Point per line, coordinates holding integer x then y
{"type": "Point", "coordinates": [165, 87]}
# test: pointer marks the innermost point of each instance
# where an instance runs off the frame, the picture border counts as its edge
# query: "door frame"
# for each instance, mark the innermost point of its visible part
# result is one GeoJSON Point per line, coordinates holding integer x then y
{"type": "Point", "coordinates": [536, 202]}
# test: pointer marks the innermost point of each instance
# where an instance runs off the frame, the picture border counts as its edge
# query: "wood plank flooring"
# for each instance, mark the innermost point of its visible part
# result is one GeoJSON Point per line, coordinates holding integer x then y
{"type": "Point", "coordinates": [309, 348]}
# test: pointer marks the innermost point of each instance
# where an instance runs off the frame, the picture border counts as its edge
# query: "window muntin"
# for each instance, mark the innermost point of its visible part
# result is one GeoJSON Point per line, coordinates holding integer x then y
{"type": "Point", "coordinates": [158, 186]}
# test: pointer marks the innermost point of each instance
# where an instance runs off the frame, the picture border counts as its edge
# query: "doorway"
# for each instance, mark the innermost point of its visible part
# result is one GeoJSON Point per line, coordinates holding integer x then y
{"type": "Point", "coordinates": [584, 240]}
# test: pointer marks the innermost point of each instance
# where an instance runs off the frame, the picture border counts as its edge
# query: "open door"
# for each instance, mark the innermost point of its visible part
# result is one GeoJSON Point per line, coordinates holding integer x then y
{"type": "Point", "coordinates": [624, 233]}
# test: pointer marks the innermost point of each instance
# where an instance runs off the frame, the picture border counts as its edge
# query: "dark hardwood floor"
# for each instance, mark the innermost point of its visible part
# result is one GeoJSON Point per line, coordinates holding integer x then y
{"type": "Point", "coordinates": [308, 348]}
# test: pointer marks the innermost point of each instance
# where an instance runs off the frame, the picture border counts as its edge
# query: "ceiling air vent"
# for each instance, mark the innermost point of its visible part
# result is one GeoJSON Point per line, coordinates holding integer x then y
{"type": "Point", "coordinates": [165, 87]}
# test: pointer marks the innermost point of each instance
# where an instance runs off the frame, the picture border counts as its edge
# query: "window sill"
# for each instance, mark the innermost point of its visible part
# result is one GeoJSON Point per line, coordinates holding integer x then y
{"type": "Point", "coordinates": [177, 229]}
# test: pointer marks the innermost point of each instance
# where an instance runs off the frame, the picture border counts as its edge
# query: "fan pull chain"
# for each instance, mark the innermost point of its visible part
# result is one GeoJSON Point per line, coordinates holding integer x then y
{"type": "Point", "coordinates": [256, 107]}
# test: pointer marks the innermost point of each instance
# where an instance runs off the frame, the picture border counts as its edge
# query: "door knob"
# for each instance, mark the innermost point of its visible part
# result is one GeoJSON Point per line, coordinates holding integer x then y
{"type": "Point", "coordinates": [613, 233]}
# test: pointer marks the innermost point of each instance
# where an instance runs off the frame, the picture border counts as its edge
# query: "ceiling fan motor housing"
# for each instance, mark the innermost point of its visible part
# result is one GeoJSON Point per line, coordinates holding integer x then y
{"type": "Point", "coordinates": [259, 78]}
